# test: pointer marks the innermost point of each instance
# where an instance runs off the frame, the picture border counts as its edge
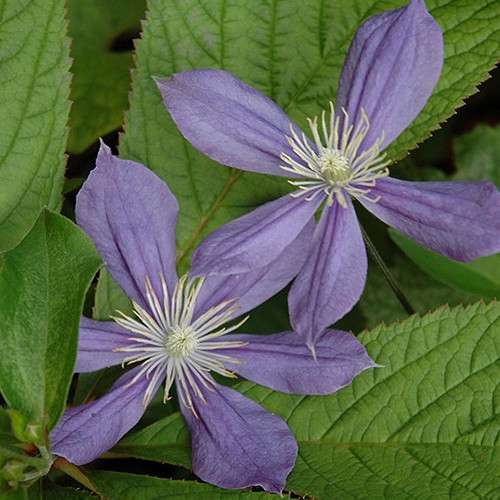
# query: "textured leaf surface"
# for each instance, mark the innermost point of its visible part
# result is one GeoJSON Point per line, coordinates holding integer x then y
{"type": "Point", "coordinates": [293, 51]}
{"type": "Point", "coordinates": [34, 108]}
{"type": "Point", "coordinates": [45, 490]}
{"type": "Point", "coordinates": [118, 486]}
{"type": "Point", "coordinates": [42, 288]}
{"type": "Point", "coordinates": [423, 425]}
{"type": "Point", "coordinates": [101, 67]}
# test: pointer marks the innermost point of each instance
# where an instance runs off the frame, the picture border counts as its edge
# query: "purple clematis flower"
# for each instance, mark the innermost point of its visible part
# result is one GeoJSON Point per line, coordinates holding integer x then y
{"type": "Point", "coordinates": [389, 74]}
{"type": "Point", "coordinates": [177, 336]}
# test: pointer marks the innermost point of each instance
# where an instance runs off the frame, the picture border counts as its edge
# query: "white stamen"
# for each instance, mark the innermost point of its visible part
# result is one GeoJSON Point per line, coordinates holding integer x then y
{"type": "Point", "coordinates": [170, 344]}
{"type": "Point", "coordinates": [333, 164]}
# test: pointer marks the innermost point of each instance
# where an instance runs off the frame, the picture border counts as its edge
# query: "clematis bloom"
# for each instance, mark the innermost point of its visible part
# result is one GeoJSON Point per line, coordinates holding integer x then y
{"type": "Point", "coordinates": [390, 71]}
{"type": "Point", "coordinates": [177, 336]}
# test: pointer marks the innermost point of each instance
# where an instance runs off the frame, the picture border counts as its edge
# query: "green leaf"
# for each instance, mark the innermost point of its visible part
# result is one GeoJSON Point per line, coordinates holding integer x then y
{"type": "Point", "coordinates": [424, 424]}
{"type": "Point", "coordinates": [6, 436]}
{"type": "Point", "coordinates": [34, 85]}
{"type": "Point", "coordinates": [120, 486]}
{"type": "Point", "coordinates": [17, 494]}
{"type": "Point", "coordinates": [109, 298]}
{"type": "Point", "coordinates": [291, 50]}
{"type": "Point", "coordinates": [101, 73]}
{"type": "Point", "coordinates": [166, 441]}
{"type": "Point", "coordinates": [477, 155]}
{"type": "Point", "coordinates": [480, 277]}
{"type": "Point", "coordinates": [42, 289]}
{"type": "Point", "coordinates": [45, 490]}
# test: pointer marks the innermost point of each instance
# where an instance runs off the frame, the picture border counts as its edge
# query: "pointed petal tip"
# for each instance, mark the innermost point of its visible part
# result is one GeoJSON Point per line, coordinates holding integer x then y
{"type": "Point", "coordinates": [283, 361]}
{"type": "Point", "coordinates": [417, 4]}
{"type": "Point", "coordinates": [393, 64]}
{"type": "Point", "coordinates": [104, 149]}
{"type": "Point", "coordinates": [227, 120]}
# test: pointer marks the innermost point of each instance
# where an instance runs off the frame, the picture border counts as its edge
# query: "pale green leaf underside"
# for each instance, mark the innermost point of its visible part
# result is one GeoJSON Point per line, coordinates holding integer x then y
{"type": "Point", "coordinates": [481, 277]}
{"type": "Point", "coordinates": [34, 108]}
{"type": "Point", "coordinates": [293, 51]}
{"type": "Point", "coordinates": [423, 425]}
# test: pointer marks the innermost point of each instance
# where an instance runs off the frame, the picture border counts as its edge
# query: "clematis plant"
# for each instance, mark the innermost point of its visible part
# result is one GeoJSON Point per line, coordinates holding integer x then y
{"type": "Point", "coordinates": [177, 336]}
{"type": "Point", "coordinates": [390, 71]}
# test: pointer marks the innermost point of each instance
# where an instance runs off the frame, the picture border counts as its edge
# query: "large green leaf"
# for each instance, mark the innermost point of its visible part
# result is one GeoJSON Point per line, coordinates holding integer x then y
{"type": "Point", "coordinates": [119, 486]}
{"type": "Point", "coordinates": [424, 424]}
{"type": "Point", "coordinates": [293, 51]}
{"type": "Point", "coordinates": [101, 73]}
{"type": "Point", "coordinates": [42, 288]}
{"type": "Point", "coordinates": [34, 108]}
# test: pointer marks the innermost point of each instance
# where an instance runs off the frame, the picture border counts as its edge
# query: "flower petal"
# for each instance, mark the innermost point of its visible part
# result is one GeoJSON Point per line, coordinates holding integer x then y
{"type": "Point", "coordinates": [284, 363]}
{"type": "Point", "coordinates": [228, 120]}
{"type": "Point", "coordinates": [255, 287]}
{"type": "Point", "coordinates": [130, 215]}
{"type": "Point", "coordinates": [460, 220]}
{"type": "Point", "coordinates": [333, 278]}
{"type": "Point", "coordinates": [390, 71]}
{"type": "Point", "coordinates": [254, 240]}
{"type": "Point", "coordinates": [86, 432]}
{"type": "Point", "coordinates": [97, 344]}
{"type": "Point", "coordinates": [236, 443]}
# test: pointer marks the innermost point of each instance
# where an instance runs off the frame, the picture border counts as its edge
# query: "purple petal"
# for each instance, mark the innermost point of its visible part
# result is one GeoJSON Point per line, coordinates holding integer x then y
{"type": "Point", "coordinates": [255, 287]}
{"type": "Point", "coordinates": [284, 363]}
{"type": "Point", "coordinates": [130, 215]}
{"type": "Point", "coordinates": [236, 443]}
{"type": "Point", "coordinates": [460, 220]}
{"type": "Point", "coordinates": [390, 71]}
{"type": "Point", "coordinates": [333, 278]}
{"type": "Point", "coordinates": [254, 240]}
{"type": "Point", "coordinates": [227, 120]}
{"type": "Point", "coordinates": [97, 341]}
{"type": "Point", "coordinates": [86, 432]}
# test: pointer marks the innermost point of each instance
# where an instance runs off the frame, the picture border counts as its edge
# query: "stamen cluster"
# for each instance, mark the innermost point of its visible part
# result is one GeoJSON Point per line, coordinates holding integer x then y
{"type": "Point", "coordinates": [334, 164]}
{"type": "Point", "coordinates": [171, 342]}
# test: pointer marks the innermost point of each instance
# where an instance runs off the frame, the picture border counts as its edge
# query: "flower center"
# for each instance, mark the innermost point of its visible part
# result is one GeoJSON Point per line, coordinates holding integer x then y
{"type": "Point", "coordinates": [181, 342]}
{"type": "Point", "coordinates": [335, 166]}
{"type": "Point", "coordinates": [335, 163]}
{"type": "Point", "coordinates": [174, 343]}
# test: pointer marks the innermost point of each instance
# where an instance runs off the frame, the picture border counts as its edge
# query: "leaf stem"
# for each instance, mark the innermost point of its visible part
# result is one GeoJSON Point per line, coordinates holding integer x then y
{"type": "Point", "coordinates": [73, 471]}
{"type": "Point", "coordinates": [387, 274]}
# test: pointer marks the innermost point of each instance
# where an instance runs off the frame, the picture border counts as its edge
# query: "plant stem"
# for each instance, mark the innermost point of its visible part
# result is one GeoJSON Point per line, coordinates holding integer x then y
{"type": "Point", "coordinates": [387, 274]}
